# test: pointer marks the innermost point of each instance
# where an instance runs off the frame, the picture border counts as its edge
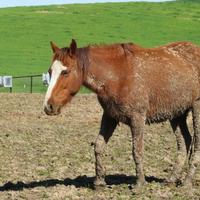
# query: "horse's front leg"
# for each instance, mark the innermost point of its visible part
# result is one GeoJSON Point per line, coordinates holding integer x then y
{"type": "Point", "coordinates": [137, 128]}
{"type": "Point", "coordinates": [108, 125]}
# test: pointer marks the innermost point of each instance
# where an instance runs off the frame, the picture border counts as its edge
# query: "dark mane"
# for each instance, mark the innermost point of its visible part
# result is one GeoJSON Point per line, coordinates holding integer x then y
{"type": "Point", "coordinates": [61, 54]}
{"type": "Point", "coordinates": [111, 46]}
{"type": "Point", "coordinates": [82, 55]}
{"type": "Point", "coordinates": [118, 49]}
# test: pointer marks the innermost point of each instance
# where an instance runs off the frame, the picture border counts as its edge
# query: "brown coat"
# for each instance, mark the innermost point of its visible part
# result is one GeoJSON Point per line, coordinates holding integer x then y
{"type": "Point", "coordinates": [135, 85]}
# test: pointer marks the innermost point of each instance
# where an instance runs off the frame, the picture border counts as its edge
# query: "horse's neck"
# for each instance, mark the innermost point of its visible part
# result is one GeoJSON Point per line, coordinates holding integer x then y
{"type": "Point", "coordinates": [92, 79]}
{"type": "Point", "coordinates": [93, 72]}
{"type": "Point", "coordinates": [99, 63]}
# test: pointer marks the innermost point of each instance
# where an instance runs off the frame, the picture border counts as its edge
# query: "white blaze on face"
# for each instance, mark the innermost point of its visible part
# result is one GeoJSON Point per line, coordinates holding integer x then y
{"type": "Point", "coordinates": [56, 69]}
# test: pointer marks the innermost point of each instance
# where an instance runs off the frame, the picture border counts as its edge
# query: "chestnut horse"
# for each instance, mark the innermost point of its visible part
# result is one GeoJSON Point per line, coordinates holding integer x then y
{"type": "Point", "coordinates": [135, 86]}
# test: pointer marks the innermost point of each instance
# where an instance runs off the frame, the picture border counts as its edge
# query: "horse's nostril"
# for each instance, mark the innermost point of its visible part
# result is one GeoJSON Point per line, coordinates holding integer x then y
{"type": "Point", "coordinates": [48, 109]}
{"type": "Point", "coordinates": [51, 107]}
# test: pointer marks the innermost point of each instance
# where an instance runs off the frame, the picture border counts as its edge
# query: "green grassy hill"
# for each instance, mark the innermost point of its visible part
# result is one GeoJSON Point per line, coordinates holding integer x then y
{"type": "Point", "coordinates": [25, 32]}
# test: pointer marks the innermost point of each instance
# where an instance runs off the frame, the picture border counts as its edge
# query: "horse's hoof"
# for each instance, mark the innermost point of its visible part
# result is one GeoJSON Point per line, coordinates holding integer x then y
{"type": "Point", "coordinates": [187, 187]}
{"type": "Point", "coordinates": [139, 187]}
{"type": "Point", "coordinates": [99, 184]}
{"type": "Point", "coordinates": [187, 183]}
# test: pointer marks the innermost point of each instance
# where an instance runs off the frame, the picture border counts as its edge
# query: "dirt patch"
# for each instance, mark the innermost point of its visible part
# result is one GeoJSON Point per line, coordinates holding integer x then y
{"type": "Point", "coordinates": [44, 157]}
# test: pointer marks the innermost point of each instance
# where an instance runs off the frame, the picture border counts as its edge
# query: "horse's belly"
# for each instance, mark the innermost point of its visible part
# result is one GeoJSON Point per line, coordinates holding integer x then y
{"type": "Point", "coordinates": [173, 95]}
{"type": "Point", "coordinates": [168, 108]}
{"type": "Point", "coordinates": [165, 115]}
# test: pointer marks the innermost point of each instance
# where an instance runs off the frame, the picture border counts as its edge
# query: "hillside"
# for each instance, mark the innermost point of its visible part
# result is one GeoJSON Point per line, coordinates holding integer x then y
{"type": "Point", "coordinates": [26, 31]}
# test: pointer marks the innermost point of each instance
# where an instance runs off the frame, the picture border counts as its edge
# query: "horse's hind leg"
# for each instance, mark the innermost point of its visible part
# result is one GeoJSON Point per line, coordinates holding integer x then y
{"type": "Point", "coordinates": [108, 126]}
{"type": "Point", "coordinates": [195, 157]}
{"type": "Point", "coordinates": [183, 139]}
{"type": "Point", "coordinates": [137, 129]}
{"type": "Point", "coordinates": [186, 134]}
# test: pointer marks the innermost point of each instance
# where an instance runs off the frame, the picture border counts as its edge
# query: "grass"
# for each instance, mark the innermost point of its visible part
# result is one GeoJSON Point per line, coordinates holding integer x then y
{"type": "Point", "coordinates": [26, 31]}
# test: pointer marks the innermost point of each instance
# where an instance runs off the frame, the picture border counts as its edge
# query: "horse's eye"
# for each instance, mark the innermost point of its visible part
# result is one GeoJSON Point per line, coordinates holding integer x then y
{"type": "Point", "coordinates": [64, 72]}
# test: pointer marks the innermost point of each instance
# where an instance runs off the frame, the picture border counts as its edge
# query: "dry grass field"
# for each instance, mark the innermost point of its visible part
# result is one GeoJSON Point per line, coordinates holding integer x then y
{"type": "Point", "coordinates": [44, 157]}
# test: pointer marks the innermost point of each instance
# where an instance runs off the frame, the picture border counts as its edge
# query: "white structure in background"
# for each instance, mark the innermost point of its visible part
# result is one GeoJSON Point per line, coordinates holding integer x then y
{"type": "Point", "coordinates": [46, 78]}
{"type": "Point", "coordinates": [6, 81]}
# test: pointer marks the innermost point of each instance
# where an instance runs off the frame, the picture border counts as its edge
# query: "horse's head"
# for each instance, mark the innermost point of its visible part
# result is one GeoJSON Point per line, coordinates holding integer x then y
{"type": "Point", "coordinates": [66, 78]}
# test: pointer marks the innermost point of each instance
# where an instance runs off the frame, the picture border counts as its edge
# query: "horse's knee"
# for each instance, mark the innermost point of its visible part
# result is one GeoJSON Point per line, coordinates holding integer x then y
{"type": "Point", "coordinates": [99, 145]}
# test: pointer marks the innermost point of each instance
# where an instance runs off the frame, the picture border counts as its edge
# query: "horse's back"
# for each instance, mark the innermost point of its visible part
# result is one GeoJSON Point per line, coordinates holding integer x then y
{"type": "Point", "coordinates": [162, 82]}
{"type": "Point", "coordinates": [187, 51]}
{"type": "Point", "coordinates": [170, 78]}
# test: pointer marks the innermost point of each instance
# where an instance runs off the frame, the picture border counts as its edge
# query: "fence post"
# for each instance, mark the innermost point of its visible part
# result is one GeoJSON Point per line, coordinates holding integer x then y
{"type": "Point", "coordinates": [31, 81]}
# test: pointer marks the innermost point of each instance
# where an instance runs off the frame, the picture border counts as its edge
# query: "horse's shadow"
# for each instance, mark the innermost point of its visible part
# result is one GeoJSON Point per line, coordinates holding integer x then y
{"type": "Point", "coordinates": [80, 181]}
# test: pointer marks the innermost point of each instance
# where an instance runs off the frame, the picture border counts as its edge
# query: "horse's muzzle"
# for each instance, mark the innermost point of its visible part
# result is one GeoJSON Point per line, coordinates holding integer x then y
{"type": "Point", "coordinates": [52, 110]}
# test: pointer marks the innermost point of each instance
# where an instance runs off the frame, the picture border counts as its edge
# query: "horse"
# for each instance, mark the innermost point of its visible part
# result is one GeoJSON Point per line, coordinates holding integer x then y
{"type": "Point", "coordinates": [135, 86]}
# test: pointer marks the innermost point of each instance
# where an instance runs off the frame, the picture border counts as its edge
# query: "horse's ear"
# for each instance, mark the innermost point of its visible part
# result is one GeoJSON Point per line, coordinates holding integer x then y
{"type": "Point", "coordinates": [73, 48]}
{"type": "Point", "coordinates": [54, 47]}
